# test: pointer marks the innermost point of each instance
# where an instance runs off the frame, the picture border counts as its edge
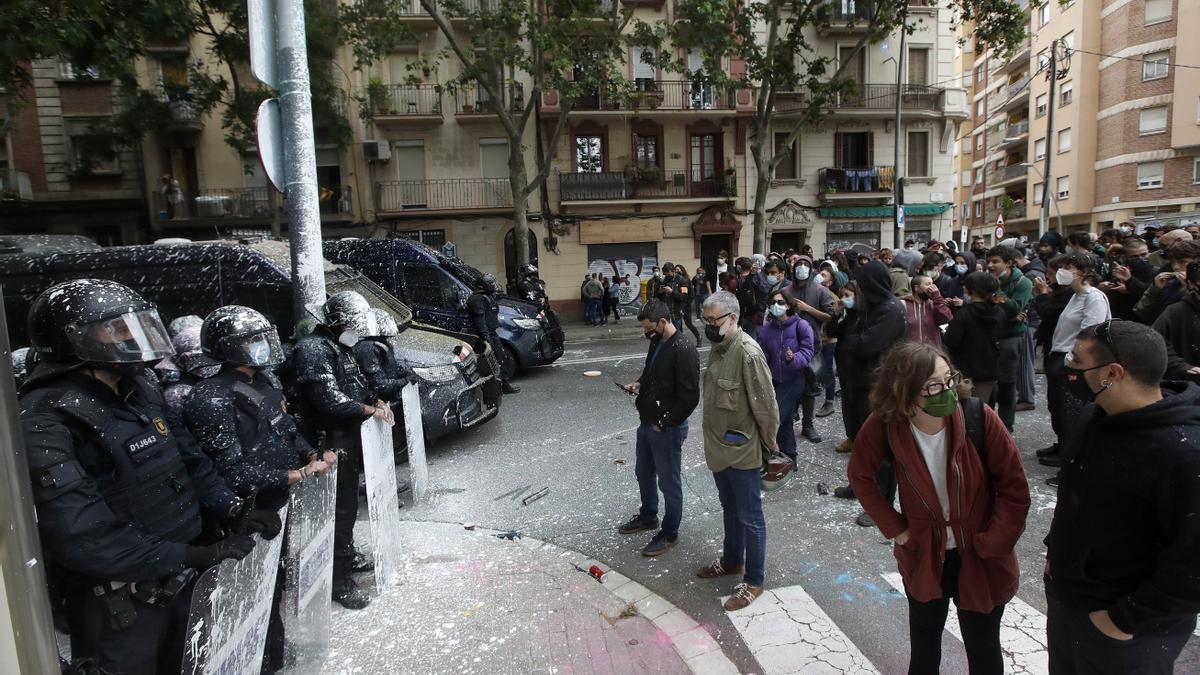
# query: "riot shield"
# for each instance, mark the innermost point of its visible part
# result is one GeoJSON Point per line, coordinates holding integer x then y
{"type": "Point", "coordinates": [231, 607]}
{"type": "Point", "coordinates": [414, 431]}
{"type": "Point", "coordinates": [383, 504]}
{"type": "Point", "coordinates": [308, 564]}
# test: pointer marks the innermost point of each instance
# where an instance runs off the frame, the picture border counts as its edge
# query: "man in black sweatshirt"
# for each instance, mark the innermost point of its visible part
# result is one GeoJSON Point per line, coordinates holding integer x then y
{"type": "Point", "coordinates": [1123, 561]}
{"type": "Point", "coordinates": [667, 393]}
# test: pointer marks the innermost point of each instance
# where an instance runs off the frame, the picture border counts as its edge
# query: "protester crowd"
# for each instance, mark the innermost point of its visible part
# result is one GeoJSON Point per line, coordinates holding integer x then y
{"type": "Point", "coordinates": [936, 350]}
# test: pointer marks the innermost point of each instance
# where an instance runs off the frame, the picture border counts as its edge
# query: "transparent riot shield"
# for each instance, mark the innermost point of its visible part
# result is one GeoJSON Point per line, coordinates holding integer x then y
{"type": "Point", "coordinates": [308, 564]}
{"type": "Point", "coordinates": [383, 504]}
{"type": "Point", "coordinates": [414, 432]}
{"type": "Point", "coordinates": [231, 607]}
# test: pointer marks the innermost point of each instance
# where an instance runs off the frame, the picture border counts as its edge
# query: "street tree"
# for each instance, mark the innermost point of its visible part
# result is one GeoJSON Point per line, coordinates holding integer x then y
{"type": "Point", "coordinates": [787, 72]}
{"type": "Point", "coordinates": [511, 52]}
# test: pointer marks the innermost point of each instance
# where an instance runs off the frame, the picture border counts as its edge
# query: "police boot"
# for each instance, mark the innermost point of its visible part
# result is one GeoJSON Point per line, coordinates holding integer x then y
{"type": "Point", "coordinates": [508, 388]}
{"type": "Point", "coordinates": [347, 594]}
{"type": "Point", "coordinates": [362, 563]}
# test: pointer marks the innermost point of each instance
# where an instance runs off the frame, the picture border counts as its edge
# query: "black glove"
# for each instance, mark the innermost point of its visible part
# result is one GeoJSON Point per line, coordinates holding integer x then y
{"type": "Point", "coordinates": [234, 547]}
{"type": "Point", "coordinates": [265, 522]}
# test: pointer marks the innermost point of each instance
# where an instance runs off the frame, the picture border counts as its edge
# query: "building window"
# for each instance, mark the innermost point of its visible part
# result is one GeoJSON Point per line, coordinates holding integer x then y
{"type": "Point", "coordinates": [975, 177]}
{"type": "Point", "coordinates": [918, 65]}
{"type": "Point", "coordinates": [846, 234]}
{"type": "Point", "coordinates": [645, 151]}
{"type": "Point", "coordinates": [71, 71]}
{"type": "Point", "coordinates": [918, 153]}
{"type": "Point", "coordinates": [1068, 41]}
{"type": "Point", "coordinates": [786, 169]}
{"type": "Point", "coordinates": [589, 154]}
{"type": "Point", "coordinates": [1043, 60]}
{"type": "Point", "coordinates": [1156, 65]}
{"type": "Point", "coordinates": [1039, 149]}
{"type": "Point", "coordinates": [1043, 14]}
{"type": "Point", "coordinates": [1041, 105]}
{"type": "Point", "coordinates": [978, 209]}
{"type": "Point", "coordinates": [978, 142]}
{"type": "Point", "coordinates": [89, 148]}
{"type": "Point", "coordinates": [1149, 175]}
{"type": "Point", "coordinates": [979, 108]}
{"type": "Point", "coordinates": [1196, 170]}
{"type": "Point", "coordinates": [1152, 120]}
{"type": "Point", "coordinates": [432, 238]}
{"type": "Point", "coordinates": [1157, 10]}
{"type": "Point", "coordinates": [1067, 94]}
{"type": "Point", "coordinates": [644, 70]}
{"type": "Point", "coordinates": [966, 179]}
{"type": "Point", "coordinates": [1037, 192]}
{"type": "Point", "coordinates": [1064, 187]}
{"type": "Point", "coordinates": [966, 209]}
{"type": "Point", "coordinates": [1064, 140]}
{"type": "Point", "coordinates": [979, 73]}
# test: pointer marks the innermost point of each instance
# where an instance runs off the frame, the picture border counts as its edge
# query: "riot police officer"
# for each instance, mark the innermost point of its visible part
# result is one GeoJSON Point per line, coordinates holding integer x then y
{"type": "Point", "coordinates": [386, 375]}
{"type": "Point", "coordinates": [120, 486]}
{"type": "Point", "coordinates": [484, 311]}
{"type": "Point", "coordinates": [239, 418]}
{"type": "Point", "coordinates": [180, 372]}
{"type": "Point", "coordinates": [336, 397]}
{"type": "Point", "coordinates": [530, 287]}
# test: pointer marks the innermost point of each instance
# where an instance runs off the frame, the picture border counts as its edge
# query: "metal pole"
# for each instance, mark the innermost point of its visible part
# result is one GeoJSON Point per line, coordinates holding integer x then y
{"type": "Point", "coordinates": [897, 196]}
{"type": "Point", "coordinates": [1044, 215]}
{"type": "Point", "coordinates": [32, 641]}
{"type": "Point", "coordinates": [299, 159]}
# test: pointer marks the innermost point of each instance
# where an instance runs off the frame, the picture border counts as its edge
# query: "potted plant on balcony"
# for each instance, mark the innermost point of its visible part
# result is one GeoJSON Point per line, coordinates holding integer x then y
{"type": "Point", "coordinates": [1006, 205]}
{"type": "Point", "coordinates": [378, 96]}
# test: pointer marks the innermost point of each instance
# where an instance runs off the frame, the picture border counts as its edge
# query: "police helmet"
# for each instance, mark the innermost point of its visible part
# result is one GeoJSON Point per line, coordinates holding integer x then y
{"type": "Point", "coordinates": [385, 324]}
{"type": "Point", "coordinates": [96, 321]}
{"type": "Point", "coordinates": [529, 270]}
{"type": "Point", "coordinates": [241, 335]}
{"type": "Point", "coordinates": [490, 284]}
{"type": "Point", "coordinates": [349, 311]}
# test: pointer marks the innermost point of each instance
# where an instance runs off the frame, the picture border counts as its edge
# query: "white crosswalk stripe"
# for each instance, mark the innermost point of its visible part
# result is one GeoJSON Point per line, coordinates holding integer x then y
{"type": "Point", "coordinates": [1022, 633]}
{"type": "Point", "coordinates": [788, 632]}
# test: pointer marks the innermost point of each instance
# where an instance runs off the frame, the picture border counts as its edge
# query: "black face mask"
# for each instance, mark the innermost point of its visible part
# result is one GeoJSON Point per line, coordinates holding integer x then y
{"type": "Point", "coordinates": [121, 370]}
{"type": "Point", "coordinates": [713, 333]}
{"type": "Point", "coordinates": [1078, 385]}
{"type": "Point", "coordinates": [651, 334]}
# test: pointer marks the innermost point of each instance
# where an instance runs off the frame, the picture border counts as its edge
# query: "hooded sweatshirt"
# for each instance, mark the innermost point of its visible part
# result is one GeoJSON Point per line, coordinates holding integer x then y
{"type": "Point", "coordinates": [950, 283]}
{"type": "Point", "coordinates": [924, 317]}
{"type": "Point", "coordinates": [879, 322]}
{"type": "Point", "coordinates": [1179, 325]}
{"type": "Point", "coordinates": [973, 340]}
{"type": "Point", "coordinates": [1125, 535]}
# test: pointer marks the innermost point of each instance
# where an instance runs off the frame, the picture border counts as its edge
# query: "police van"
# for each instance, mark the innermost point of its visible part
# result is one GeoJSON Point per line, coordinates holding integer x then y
{"type": "Point", "coordinates": [458, 388]}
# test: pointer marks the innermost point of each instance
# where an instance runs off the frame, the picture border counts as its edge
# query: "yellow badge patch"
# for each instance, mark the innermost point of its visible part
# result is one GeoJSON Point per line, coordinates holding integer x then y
{"type": "Point", "coordinates": [161, 425]}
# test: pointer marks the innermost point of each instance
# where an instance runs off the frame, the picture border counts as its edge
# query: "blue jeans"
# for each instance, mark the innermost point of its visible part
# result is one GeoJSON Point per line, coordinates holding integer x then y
{"type": "Point", "coordinates": [592, 311]}
{"type": "Point", "coordinates": [658, 457]}
{"type": "Point", "coordinates": [787, 397]}
{"type": "Point", "coordinates": [745, 526]}
{"type": "Point", "coordinates": [827, 355]}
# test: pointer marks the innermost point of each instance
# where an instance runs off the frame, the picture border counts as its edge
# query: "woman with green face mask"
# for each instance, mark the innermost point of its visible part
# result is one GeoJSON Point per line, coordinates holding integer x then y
{"type": "Point", "coordinates": [963, 502]}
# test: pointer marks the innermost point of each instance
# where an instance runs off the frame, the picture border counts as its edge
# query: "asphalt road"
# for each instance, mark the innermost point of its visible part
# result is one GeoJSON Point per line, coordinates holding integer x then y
{"type": "Point", "coordinates": [575, 435]}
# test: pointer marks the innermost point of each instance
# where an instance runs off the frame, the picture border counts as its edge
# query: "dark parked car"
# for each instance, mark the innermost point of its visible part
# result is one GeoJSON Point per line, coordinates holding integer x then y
{"type": "Point", "coordinates": [437, 288]}
{"type": "Point", "coordinates": [457, 386]}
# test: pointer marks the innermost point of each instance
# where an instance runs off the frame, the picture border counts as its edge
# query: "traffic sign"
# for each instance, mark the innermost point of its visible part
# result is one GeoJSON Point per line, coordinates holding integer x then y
{"type": "Point", "coordinates": [269, 129]}
{"type": "Point", "coordinates": [999, 232]}
{"type": "Point", "coordinates": [261, 20]}
{"type": "Point", "coordinates": [900, 216]}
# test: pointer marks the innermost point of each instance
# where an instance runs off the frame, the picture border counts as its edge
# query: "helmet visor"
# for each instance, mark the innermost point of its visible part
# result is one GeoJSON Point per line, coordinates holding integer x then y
{"type": "Point", "coordinates": [136, 337]}
{"type": "Point", "coordinates": [258, 349]}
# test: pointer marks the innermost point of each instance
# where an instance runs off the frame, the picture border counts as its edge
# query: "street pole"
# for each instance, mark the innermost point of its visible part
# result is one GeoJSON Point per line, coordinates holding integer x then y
{"type": "Point", "coordinates": [1044, 215]}
{"type": "Point", "coordinates": [299, 158]}
{"type": "Point", "coordinates": [898, 191]}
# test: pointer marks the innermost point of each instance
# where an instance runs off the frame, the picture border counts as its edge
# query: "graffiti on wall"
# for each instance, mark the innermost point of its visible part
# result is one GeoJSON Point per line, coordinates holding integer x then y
{"type": "Point", "coordinates": [638, 269]}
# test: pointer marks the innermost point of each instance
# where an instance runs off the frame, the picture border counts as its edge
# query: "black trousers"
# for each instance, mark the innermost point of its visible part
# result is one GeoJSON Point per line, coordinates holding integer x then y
{"type": "Point", "coordinates": [348, 443]}
{"type": "Point", "coordinates": [1062, 405]}
{"type": "Point", "coordinates": [1078, 647]}
{"type": "Point", "coordinates": [927, 620]}
{"type": "Point", "coordinates": [152, 643]}
{"type": "Point", "coordinates": [856, 408]}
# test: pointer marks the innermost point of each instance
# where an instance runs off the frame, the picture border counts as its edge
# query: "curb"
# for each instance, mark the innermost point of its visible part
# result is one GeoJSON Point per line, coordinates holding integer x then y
{"type": "Point", "coordinates": [699, 651]}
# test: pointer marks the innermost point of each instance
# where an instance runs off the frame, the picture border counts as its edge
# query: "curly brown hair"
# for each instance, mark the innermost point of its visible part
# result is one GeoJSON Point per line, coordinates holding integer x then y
{"type": "Point", "coordinates": [901, 377]}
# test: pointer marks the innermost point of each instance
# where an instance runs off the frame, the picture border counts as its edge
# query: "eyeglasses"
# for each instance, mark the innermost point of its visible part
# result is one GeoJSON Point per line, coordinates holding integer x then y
{"type": "Point", "coordinates": [781, 303]}
{"type": "Point", "coordinates": [1102, 332]}
{"type": "Point", "coordinates": [714, 320]}
{"type": "Point", "coordinates": [935, 388]}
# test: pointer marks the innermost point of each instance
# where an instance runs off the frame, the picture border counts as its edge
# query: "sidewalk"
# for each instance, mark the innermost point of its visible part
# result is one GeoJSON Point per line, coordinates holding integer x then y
{"type": "Point", "coordinates": [578, 331]}
{"type": "Point", "coordinates": [470, 602]}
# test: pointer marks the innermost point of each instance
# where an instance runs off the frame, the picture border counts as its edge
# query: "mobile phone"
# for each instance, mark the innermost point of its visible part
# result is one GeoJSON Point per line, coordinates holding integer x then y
{"type": "Point", "coordinates": [624, 388]}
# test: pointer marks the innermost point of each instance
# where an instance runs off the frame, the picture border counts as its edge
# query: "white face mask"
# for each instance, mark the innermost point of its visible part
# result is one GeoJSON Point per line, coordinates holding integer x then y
{"type": "Point", "coordinates": [778, 310]}
{"type": "Point", "coordinates": [259, 352]}
{"type": "Point", "coordinates": [772, 279]}
{"type": "Point", "coordinates": [1064, 277]}
{"type": "Point", "coordinates": [802, 272]}
{"type": "Point", "coordinates": [349, 338]}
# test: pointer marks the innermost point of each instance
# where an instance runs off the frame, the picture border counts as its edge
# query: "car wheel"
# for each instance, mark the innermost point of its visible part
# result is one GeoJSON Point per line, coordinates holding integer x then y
{"type": "Point", "coordinates": [509, 367]}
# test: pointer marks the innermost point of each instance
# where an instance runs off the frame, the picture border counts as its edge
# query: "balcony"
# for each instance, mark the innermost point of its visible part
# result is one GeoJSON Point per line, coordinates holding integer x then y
{"type": "Point", "coordinates": [1020, 57]}
{"type": "Point", "coordinates": [661, 96]}
{"type": "Point", "coordinates": [405, 104]}
{"type": "Point", "coordinates": [645, 185]}
{"type": "Point", "coordinates": [1016, 135]}
{"type": "Point", "coordinates": [1009, 174]}
{"type": "Point", "coordinates": [185, 114]}
{"type": "Point", "coordinates": [15, 185]}
{"type": "Point", "coordinates": [412, 14]}
{"type": "Point", "coordinates": [844, 17]}
{"type": "Point", "coordinates": [474, 103]}
{"type": "Point", "coordinates": [1018, 94]}
{"type": "Point", "coordinates": [445, 194]}
{"type": "Point", "coordinates": [251, 204]}
{"type": "Point", "coordinates": [862, 184]}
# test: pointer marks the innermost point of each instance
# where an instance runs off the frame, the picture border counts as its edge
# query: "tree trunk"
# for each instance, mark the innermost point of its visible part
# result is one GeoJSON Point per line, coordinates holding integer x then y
{"type": "Point", "coordinates": [762, 185]}
{"type": "Point", "coordinates": [518, 178]}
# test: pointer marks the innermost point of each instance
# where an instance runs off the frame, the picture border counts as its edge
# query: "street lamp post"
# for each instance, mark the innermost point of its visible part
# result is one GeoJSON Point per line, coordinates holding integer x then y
{"type": "Point", "coordinates": [1053, 198]}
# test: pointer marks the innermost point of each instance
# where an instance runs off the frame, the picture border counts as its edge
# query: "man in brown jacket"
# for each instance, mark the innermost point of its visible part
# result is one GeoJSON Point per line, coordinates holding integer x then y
{"type": "Point", "coordinates": [740, 422]}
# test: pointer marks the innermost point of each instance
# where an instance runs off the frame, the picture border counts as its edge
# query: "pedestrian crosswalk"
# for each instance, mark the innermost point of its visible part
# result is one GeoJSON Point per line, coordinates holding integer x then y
{"type": "Point", "coordinates": [788, 632]}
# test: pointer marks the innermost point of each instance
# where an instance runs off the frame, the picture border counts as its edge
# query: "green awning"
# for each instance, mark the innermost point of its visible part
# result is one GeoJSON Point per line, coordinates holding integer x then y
{"type": "Point", "coordinates": [910, 211]}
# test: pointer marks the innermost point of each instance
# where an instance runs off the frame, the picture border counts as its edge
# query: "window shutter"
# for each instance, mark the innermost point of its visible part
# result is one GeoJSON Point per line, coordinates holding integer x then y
{"type": "Point", "coordinates": [837, 150]}
{"type": "Point", "coordinates": [870, 149]}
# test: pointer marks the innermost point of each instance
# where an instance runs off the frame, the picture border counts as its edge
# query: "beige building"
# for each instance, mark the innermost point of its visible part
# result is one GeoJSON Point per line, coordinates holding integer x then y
{"type": "Point", "coordinates": [1126, 133]}
{"type": "Point", "coordinates": [846, 171]}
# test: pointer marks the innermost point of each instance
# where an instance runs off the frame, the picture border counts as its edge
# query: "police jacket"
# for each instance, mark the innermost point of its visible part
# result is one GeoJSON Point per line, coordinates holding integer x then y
{"type": "Point", "coordinates": [119, 485]}
{"type": "Point", "coordinates": [242, 424]}
{"type": "Point", "coordinates": [484, 313]}
{"type": "Point", "coordinates": [332, 383]}
{"type": "Point", "coordinates": [386, 376]}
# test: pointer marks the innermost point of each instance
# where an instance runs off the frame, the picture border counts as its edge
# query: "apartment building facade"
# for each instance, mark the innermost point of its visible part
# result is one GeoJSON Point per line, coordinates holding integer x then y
{"type": "Point", "coordinates": [848, 168]}
{"type": "Point", "coordinates": [1125, 134]}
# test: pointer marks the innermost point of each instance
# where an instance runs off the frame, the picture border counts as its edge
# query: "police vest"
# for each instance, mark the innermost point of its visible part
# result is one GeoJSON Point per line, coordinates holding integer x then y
{"type": "Point", "coordinates": [148, 484]}
{"type": "Point", "coordinates": [267, 411]}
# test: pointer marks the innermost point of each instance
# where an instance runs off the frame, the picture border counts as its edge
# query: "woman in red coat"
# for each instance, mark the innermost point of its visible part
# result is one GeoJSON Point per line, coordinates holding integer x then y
{"type": "Point", "coordinates": [959, 520]}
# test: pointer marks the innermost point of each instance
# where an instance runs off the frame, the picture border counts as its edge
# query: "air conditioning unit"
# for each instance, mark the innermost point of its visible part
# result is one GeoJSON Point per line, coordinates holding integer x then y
{"type": "Point", "coordinates": [377, 151]}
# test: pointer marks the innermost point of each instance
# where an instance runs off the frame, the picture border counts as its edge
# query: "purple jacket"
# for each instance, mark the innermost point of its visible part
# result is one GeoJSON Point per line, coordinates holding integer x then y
{"type": "Point", "coordinates": [776, 336]}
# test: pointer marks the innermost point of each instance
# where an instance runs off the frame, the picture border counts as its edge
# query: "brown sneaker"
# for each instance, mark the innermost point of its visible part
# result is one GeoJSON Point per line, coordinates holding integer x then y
{"type": "Point", "coordinates": [719, 569]}
{"type": "Point", "coordinates": [845, 446]}
{"type": "Point", "coordinates": [743, 595]}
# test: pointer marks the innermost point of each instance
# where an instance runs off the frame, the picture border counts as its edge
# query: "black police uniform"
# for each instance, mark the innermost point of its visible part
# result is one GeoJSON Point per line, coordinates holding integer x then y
{"type": "Point", "coordinates": [385, 374]}
{"type": "Point", "coordinates": [485, 319]}
{"type": "Point", "coordinates": [533, 289]}
{"type": "Point", "coordinates": [335, 391]}
{"type": "Point", "coordinates": [120, 489]}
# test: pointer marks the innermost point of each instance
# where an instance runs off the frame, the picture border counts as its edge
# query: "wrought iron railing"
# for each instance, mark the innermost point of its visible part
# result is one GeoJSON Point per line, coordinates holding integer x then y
{"type": "Point", "coordinates": [651, 94]}
{"type": "Point", "coordinates": [473, 99]}
{"type": "Point", "coordinates": [644, 184]}
{"type": "Point", "coordinates": [443, 194]}
{"type": "Point", "coordinates": [405, 100]}
{"type": "Point", "coordinates": [867, 179]}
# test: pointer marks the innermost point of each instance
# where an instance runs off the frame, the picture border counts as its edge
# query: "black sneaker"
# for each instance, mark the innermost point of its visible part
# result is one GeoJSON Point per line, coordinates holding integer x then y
{"type": "Point", "coordinates": [826, 409]}
{"type": "Point", "coordinates": [1047, 451]}
{"type": "Point", "coordinates": [638, 524]}
{"type": "Point", "coordinates": [864, 520]}
{"type": "Point", "coordinates": [347, 594]}
{"type": "Point", "coordinates": [810, 434]}
{"type": "Point", "coordinates": [508, 388]}
{"type": "Point", "coordinates": [362, 563]}
{"type": "Point", "coordinates": [1053, 480]}
{"type": "Point", "coordinates": [1054, 460]}
{"type": "Point", "coordinates": [659, 544]}
{"type": "Point", "coordinates": [843, 492]}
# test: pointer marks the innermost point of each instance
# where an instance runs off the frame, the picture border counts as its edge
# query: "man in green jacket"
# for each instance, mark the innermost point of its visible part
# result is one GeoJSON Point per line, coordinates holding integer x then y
{"type": "Point", "coordinates": [740, 422]}
{"type": "Point", "coordinates": [1014, 296]}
